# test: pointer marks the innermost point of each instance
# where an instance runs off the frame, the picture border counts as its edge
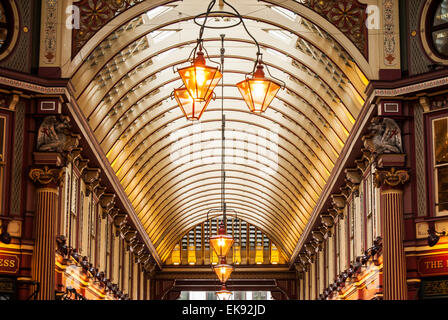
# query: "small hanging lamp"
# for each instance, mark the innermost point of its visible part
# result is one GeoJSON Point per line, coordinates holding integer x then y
{"type": "Point", "coordinates": [221, 242]}
{"type": "Point", "coordinates": [200, 80]}
{"type": "Point", "coordinates": [191, 107]}
{"type": "Point", "coordinates": [224, 294]}
{"type": "Point", "coordinates": [223, 271]}
{"type": "Point", "coordinates": [258, 91]}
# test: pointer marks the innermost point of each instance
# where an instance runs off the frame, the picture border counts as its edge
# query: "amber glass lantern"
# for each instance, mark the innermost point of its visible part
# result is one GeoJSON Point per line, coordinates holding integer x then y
{"type": "Point", "coordinates": [223, 271]}
{"type": "Point", "coordinates": [192, 108]}
{"type": "Point", "coordinates": [200, 80]}
{"type": "Point", "coordinates": [222, 242]}
{"type": "Point", "coordinates": [258, 91]}
{"type": "Point", "coordinates": [224, 294]}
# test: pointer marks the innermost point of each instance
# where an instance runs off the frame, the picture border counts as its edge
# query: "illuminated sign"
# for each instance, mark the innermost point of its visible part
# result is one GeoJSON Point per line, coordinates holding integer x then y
{"type": "Point", "coordinates": [435, 265]}
{"type": "Point", "coordinates": [9, 263]}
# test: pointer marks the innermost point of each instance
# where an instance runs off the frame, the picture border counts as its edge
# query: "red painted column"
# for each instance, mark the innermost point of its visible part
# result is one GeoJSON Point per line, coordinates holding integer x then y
{"type": "Point", "coordinates": [392, 227]}
{"type": "Point", "coordinates": [43, 263]}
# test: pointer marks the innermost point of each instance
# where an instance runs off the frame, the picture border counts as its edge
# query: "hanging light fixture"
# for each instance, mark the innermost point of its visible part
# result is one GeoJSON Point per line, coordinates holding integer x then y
{"type": "Point", "coordinates": [221, 242]}
{"type": "Point", "coordinates": [258, 91]}
{"type": "Point", "coordinates": [224, 294]}
{"type": "Point", "coordinates": [223, 271]}
{"type": "Point", "coordinates": [191, 107]}
{"type": "Point", "coordinates": [200, 79]}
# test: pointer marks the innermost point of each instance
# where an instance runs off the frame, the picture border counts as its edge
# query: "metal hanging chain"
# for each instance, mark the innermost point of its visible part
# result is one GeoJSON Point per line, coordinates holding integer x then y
{"type": "Point", "coordinates": [223, 137]}
{"type": "Point", "coordinates": [258, 60]}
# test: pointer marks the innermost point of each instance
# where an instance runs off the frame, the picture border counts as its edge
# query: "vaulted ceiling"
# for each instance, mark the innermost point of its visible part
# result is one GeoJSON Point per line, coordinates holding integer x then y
{"type": "Point", "coordinates": [277, 163]}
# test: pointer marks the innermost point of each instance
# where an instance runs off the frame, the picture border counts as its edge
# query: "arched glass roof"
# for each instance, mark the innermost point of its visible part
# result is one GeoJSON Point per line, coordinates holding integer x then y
{"type": "Point", "coordinates": [277, 163]}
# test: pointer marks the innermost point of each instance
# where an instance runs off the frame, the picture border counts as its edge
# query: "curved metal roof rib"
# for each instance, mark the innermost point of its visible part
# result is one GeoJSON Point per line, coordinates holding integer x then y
{"type": "Point", "coordinates": [277, 163]}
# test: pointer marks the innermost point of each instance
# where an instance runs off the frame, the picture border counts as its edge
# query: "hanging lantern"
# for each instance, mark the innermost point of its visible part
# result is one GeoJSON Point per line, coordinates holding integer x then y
{"type": "Point", "coordinates": [236, 254]}
{"type": "Point", "coordinates": [192, 108]}
{"type": "Point", "coordinates": [175, 255]}
{"type": "Point", "coordinates": [275, 255]}
{"type": "Point", "coordinates": [224, 294]}
{"type": "Point", "coordinates": [191, 255]}
{"type": "Point", "coordinates": [223, 271]}
{"type": "Point", "coordinates": [200, 80]}
{"type": "Point", "coordinates": [258, 92]}
{"type": "Point", "coordinates": [259, 251]}
{"type": "Point", "coordinates": [222, 242]}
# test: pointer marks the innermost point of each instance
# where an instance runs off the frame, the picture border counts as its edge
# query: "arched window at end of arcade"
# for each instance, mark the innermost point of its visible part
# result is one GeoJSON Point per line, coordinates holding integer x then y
{"type": "Point", "coordinates": [9, 27]}
{"type": "Point", "coordinates": [434, 29]}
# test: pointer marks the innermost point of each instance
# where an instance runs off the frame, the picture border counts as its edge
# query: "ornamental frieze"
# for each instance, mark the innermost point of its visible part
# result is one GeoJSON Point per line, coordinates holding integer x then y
{"type": "Point", "coordinates": [433, 103]}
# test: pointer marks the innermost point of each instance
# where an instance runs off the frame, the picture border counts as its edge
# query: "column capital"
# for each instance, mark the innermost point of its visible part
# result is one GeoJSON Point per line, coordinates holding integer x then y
{"type": "Point", "coordinates": [391, 177]}
{"type": "Point", "coordinates": [47, 177]}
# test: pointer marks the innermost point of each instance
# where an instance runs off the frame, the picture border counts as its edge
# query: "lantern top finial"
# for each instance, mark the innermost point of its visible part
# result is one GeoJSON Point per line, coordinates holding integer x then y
{"type": "Point", "coordinates": [259, 73]}
{"type": "Point", "coordinates": [199, 61]}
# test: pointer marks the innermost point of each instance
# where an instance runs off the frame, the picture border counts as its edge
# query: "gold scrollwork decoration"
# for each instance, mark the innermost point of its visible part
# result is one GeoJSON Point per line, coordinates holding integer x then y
{"type": "Point", "coordinates": [46, 176]}
{"type": "Point", "coordinates": [391, 177]}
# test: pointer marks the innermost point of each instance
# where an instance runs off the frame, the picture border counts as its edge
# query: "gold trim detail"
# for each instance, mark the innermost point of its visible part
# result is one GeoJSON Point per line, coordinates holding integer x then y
{"type": "Point", "coordinates": [47, 176]}
{"type": "Point", "coordinates": [391, 177]}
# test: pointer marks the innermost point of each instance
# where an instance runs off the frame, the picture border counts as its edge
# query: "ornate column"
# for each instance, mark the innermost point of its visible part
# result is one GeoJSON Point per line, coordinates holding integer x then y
{"type": "Point", "coordinates": [43, 265]}
{"type": "Point", "coordinates": [384, 145]}
{"type": "Point", "coordinates": [390, 182]}
{"type": "Point", "coordinates": [56, 145]}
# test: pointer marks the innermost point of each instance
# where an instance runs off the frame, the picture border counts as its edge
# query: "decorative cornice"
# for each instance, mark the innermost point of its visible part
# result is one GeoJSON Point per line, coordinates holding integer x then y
{"type": "Point", "coordinates": [91, 177]}
{"type": "Point", "coordinates": [107, 201]}
{"type": "Point", "coordinates": [353, 175]}
{"type": "Point", "coordinates": [81, 164]}
{"type": "Point", "coordinates": [34, 87]}
{"type": "Point", "coordinates": [338, 201]}
{"type": "Point", "coordinates": [409, 88]}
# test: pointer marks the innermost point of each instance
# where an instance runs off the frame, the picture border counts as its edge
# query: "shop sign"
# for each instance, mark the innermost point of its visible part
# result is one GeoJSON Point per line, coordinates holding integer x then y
{"type": "Point", "coordinates": [433, 265]}
{"type": "Point", "coordinates": [434, 288]}
{"type": "Point", "coordinates": [9, 263]}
